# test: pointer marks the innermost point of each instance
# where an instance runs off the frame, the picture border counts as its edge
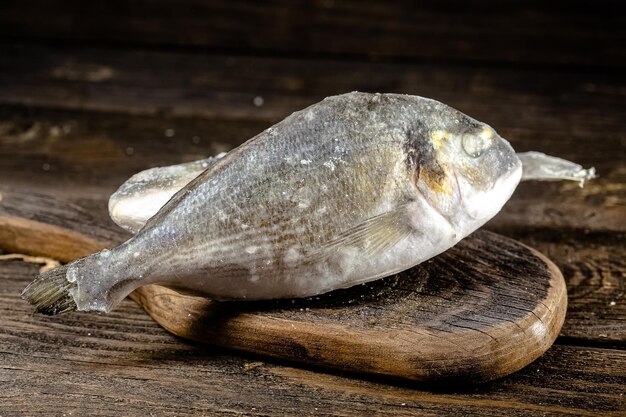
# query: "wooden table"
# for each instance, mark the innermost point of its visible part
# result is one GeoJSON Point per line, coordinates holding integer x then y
{"type": "Point", "coordinates": [90, 95]}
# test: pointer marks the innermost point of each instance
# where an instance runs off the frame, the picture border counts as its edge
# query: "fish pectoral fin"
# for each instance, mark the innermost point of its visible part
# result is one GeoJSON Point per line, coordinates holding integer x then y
{"type": "Point", "coordinates": [372, 237]}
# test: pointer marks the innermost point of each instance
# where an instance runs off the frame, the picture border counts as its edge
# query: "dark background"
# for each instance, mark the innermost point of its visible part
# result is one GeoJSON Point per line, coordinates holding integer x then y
{"type": "Point", "coordinates": [529, 33]}
{"type": "Point", "coordinates": [93, 91]}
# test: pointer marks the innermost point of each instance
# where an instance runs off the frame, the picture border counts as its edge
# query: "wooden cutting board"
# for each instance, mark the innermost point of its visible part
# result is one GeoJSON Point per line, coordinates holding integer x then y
{"type": "Point", "coordinates": [483, 309]}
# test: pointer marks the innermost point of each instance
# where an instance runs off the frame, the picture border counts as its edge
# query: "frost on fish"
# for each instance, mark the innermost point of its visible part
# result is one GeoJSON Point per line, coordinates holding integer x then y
{"type": "Point", "coordinates": [351, 189]}
{"type": "Point", "coordinates": [541, 167]}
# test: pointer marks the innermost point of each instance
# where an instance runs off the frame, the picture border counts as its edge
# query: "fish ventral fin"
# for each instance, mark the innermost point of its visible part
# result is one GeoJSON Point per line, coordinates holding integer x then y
{"type": "Point", "coordinates": [372, 237]}
{"type": "Point", "coordinates": [50, 294]}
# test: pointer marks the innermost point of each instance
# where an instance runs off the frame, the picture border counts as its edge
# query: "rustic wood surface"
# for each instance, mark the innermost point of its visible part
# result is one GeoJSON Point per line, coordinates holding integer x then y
{"type": "Point", "coordinates": [471, 314]}
{"type": "Point", "coordinates": [572, 32]}
{"type": "Point", "coordinates": [90, 95]}
{"type": "Point", "coordinates": [124, 363]}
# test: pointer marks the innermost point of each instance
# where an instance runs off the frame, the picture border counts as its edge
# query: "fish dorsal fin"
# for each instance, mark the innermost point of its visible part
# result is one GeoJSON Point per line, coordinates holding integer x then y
{"type": "Point", "coordinates": [372, 237]}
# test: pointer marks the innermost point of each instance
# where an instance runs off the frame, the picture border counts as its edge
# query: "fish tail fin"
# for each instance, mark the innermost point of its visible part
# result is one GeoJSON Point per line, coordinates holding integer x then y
{"type": "Point", "coordinates": [50, 292]}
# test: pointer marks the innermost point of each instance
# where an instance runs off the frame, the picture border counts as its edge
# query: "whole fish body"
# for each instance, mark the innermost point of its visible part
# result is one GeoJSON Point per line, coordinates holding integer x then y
{"type": "Point", "coordinates": [348, 190]}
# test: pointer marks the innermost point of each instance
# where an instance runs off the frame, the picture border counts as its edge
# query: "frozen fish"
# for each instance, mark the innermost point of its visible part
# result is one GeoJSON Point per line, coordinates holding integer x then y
{"type": "Point", "coordinates": [351, 189]}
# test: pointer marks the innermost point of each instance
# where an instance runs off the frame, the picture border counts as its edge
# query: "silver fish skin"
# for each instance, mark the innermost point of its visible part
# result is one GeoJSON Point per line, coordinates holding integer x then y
{"type": "Point", "coordinates": [348, 190]}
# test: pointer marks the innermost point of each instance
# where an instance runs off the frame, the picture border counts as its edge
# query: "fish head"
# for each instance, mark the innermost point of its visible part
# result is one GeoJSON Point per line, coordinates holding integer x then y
{"type": "Point", "coordinates": [469, 171]}
{"type": "Point", "coordinates": [487, 171]}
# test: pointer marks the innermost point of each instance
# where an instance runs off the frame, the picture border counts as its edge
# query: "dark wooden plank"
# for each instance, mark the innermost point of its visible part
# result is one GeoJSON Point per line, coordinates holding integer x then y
{"type": "Point", "coordinates": [88, 156]}
{"type": "Point", "coordinates": [528, 32]}
{"type": "Point", "coordinates": [598, 206]}
{"type": "Point", "coordinates": [124, 364]}
{"type": "Point", "coordinates": [54, 228]}
{"type": "Point", "coordinates": [225, 86]}
{"type": "Point", "coordinates": [594, 266]}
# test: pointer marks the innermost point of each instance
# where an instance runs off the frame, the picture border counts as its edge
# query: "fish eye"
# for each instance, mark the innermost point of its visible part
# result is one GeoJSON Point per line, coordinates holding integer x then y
{"type": "Point", "coordinates": [475, 144]}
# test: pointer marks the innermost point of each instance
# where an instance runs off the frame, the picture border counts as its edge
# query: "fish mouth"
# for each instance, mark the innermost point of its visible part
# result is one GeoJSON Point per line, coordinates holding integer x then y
{"type": "Point", "coordinates": [483, 206]}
